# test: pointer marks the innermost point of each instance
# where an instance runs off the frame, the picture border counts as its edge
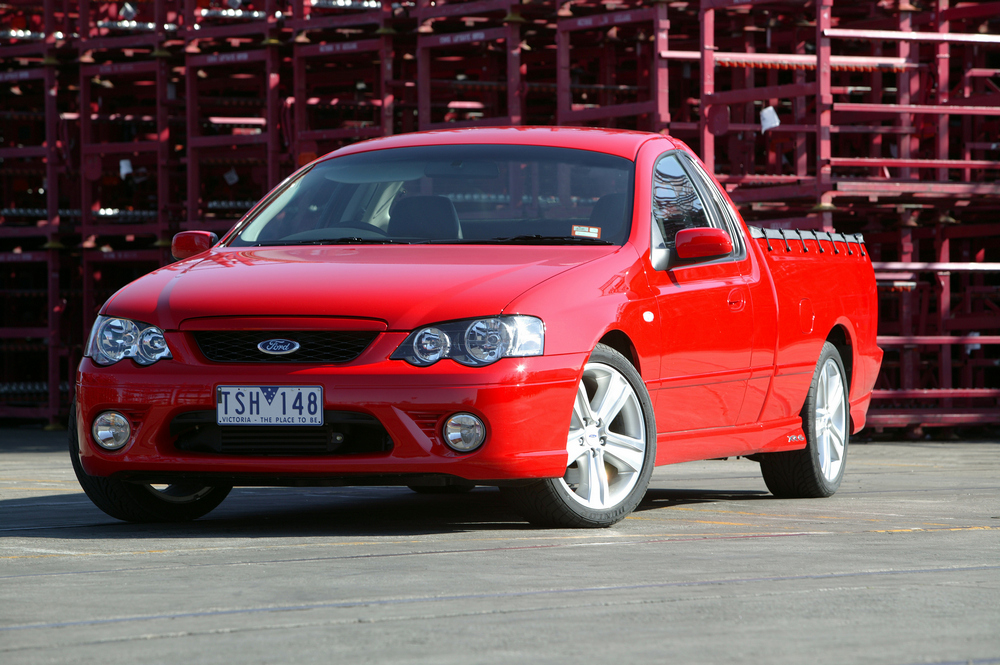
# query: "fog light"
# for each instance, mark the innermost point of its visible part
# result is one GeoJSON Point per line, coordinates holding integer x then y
{"type": "Point", "coordinates": [111, 430]}
{"type": "Point", "coordinates": [464, 432]}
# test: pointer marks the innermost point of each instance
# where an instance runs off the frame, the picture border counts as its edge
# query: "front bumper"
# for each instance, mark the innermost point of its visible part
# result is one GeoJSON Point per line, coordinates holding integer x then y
{"type": "Point", "coordinates": [526, 404]}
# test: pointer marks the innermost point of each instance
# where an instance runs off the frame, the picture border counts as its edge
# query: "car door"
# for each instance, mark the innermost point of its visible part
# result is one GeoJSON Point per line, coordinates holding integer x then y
{"type": "Point", "coordinates": [705, 311]}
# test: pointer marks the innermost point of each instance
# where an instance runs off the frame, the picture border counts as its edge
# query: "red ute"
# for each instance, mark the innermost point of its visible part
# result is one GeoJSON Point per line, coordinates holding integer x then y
{"type": "Point", "coordinates": [553, 311]}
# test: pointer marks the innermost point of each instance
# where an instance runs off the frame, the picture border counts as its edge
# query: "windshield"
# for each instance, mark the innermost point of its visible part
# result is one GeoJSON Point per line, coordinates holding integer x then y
{"type": "Point", "coordinates": [451, 194]}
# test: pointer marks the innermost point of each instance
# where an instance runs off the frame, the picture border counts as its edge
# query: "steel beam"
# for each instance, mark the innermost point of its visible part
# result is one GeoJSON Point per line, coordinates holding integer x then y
{"type": "Point", "coordinates": [930, 109]}
{"type": "Point", "coordinates": [911, 36]}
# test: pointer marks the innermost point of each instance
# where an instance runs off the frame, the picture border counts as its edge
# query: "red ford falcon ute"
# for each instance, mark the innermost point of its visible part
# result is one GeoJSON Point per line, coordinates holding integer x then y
{"type": "Point", "coordinates": [552, 311]}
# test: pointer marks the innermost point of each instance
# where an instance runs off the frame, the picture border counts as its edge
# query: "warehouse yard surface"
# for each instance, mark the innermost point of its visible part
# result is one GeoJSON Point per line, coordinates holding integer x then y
{"type": "Point", "coordinates": [901, 566]}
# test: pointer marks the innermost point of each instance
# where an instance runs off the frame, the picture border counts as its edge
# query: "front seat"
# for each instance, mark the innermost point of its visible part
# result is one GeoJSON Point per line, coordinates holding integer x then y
{"type": "Point", "coordinates": [427, 217]}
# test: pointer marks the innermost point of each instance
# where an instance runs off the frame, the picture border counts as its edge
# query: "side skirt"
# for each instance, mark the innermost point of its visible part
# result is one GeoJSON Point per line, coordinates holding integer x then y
{"type": "Point", "coordinates": [739, 441]}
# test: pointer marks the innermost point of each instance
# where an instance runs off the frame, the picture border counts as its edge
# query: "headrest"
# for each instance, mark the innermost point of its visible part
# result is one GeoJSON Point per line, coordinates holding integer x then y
{"type": "Point", "coordinates": [428, 217]}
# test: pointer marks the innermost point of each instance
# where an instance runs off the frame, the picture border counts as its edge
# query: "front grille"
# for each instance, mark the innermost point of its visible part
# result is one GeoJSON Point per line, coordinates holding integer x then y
{"type": "Point", "coordinates": [344, 433]}
{"type": "Point", "coordinates": [315, 346]}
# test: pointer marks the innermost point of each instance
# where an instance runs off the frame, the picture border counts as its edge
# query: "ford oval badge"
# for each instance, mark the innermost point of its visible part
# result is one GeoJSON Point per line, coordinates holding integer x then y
{"type": "Point", "coordinates": [278, 347]}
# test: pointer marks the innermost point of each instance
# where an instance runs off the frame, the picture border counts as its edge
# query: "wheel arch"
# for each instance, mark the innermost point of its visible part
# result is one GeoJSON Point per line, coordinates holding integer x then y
{"type": "Point", "coordinates": [841, 339]}
{"type": "Point", "coordinates": [622, 343]}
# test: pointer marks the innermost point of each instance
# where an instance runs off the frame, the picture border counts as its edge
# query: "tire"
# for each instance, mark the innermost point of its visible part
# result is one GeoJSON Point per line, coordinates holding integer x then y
{"type": "Point", "coordinates": [442, 489]}
{"type": "Point", "coordinates": [611, 448]}
{"type": "Point", "coordinates": [817, 470]}
{"type": "Point", "coordinates": [142, 502]}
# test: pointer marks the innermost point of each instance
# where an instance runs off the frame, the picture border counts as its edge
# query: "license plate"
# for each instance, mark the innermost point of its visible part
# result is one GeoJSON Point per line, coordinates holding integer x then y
{"type": "Point", "coordinates": [269, 405]}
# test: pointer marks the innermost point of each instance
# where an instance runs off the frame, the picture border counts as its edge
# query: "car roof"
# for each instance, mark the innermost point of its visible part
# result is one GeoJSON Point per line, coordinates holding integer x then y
{"type": "Point", "coordinates": [620, 142]}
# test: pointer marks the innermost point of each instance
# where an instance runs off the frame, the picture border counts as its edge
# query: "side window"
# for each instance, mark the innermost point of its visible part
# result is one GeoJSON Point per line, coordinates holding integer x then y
{"type": "Point", "coordinates": [719, 207]}
{"type": "Point", "coordinates": [676, 202]}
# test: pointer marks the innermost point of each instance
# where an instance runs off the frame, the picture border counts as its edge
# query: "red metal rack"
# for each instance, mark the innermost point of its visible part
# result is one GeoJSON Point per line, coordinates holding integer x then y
{"type": "Point", "coordinates": [129, 130]}
{"type": "Point", "coordinates": [235, 151]}
{"type": "Point", "coordinates": [614, 68]}
{"type": "Point", "coordinates": [131, 141]}
{"type": "Point", "coordinates": [235, 83]}
{"type": "Point", "coordinates": [107, 268]}
{"type": "Point", "coordinates": [37, 209]}
{"type": "Point", "coordinates": [344, 71]}
{"type": "Point", "coordinates": [888, 123]}
{"type": "Point", "coordinates": [939, 325]}
{"type": "Point", "coordinates": [880, 138]}
{"type": "Point", "coordinates": [137, 25]}
{"type": "Point", "coordinates": [483, 75]}
{"type": "Point", "coordinates": [35, 335]}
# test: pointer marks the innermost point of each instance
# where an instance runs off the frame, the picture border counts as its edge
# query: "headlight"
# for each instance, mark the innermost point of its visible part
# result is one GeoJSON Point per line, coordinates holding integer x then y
{"type": "Point", "coordinates": [474, 342]}
{"type": "Point", "coordinates": [114, 339]}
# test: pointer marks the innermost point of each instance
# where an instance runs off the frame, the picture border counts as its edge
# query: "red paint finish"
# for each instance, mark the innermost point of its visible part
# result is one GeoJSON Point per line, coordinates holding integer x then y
{"type": "Point", "coordinates": [191, 243]}
{"type": "Point", "coordinates": [705, 358]}
{"type": "Point", "coordinates": [701, 243]}
{"type": "Point", "coordinates": [721, 342]}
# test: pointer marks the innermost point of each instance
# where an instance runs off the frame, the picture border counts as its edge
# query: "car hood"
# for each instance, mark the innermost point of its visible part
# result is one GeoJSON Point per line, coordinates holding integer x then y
{"type": "Point", "coordinates": [403, 285]}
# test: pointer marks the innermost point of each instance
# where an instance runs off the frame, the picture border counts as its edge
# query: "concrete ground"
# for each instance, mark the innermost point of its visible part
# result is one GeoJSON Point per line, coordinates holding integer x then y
{"type": "Point", "coordinates": [901, 566]}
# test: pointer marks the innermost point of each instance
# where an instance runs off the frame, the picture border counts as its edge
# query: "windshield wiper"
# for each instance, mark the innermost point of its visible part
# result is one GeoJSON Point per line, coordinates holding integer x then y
{"type": "Point", "coordinates": [546, 240]}
{"type": "Point", "coordinates": [517, 240]}
{"type": "Point", "coordinates": [350, 240]}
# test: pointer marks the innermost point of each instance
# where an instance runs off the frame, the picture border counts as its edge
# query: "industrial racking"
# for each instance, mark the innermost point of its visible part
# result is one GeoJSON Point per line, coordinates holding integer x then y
{"type": "Point", "coordinates": [871, 117]}
{"type": "Point", "coordinates": [236, 82]}
{"type": "Point", "coordinates": [131, 114]}
{"type": "Point", "coordinates": [484, 62]}
{"type": "Point", "coordinates": [345, 73]}
{"type": "Point", "coordinates": [939, 320]}
{"type": "Point", "coordinates": [875, 116]}
{"type": "Point", "coordinates": [614, 69]}
{"type": "Point", "coordinates": [37, 209]}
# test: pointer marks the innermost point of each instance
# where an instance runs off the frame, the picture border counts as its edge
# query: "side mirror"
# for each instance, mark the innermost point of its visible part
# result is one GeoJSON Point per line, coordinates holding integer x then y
{"type": "Point", "coordinates": [188, 243]}
{"type": "Point", "coordinates": [702, 243]}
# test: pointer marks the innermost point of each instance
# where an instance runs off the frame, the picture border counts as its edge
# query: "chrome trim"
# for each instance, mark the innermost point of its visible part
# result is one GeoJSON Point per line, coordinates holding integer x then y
{"type": "Point", "coordinates": [278, 347]}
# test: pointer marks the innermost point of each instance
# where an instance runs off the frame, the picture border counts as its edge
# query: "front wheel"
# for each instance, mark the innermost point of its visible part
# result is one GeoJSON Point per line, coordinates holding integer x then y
{"type": "Point", "coordinates": [611, 448]}
{"type": "Point", "coordinates": [817, 470]}
{"type": "Point", "coordinates": [143, 502]}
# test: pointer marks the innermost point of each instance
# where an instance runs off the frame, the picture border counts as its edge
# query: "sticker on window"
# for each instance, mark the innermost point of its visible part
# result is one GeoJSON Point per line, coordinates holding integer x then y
{"type": "Point", "coordinates": [586, 231]}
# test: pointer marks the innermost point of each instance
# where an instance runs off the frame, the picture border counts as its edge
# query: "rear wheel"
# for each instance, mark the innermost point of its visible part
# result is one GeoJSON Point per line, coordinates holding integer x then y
{"type": "Point", "coordinates": [143, 502]}
{"type": "Point", "coordinates": [611, 448]}
{"type": "Point", "coordinates": [816, 470]}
